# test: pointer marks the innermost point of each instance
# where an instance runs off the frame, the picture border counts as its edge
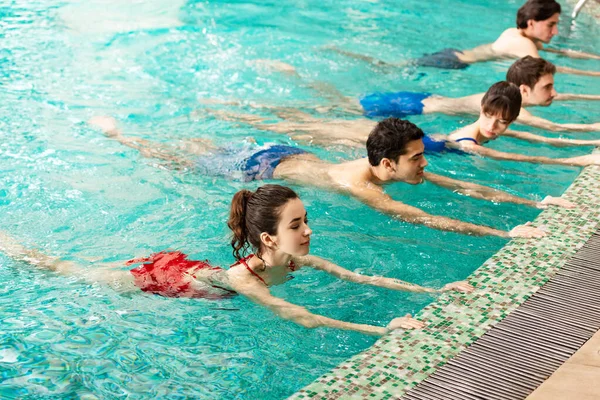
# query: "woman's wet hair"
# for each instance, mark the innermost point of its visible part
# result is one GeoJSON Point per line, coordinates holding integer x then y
{"type": "Point", "coordinates": [502, 98]}
{"type": "Point", "coordinates": [537, 10]}
{"type": "Point", "coordinates": [389, 139]}
{"type": "Point", "coordinates": [528, 71]}
{"type": "Point", "coordinates": [253, 213]}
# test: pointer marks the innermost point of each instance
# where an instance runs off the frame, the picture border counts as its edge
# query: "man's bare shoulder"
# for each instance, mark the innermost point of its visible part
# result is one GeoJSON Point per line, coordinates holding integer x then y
{"type": "Point", "coordinates": [512, 43]}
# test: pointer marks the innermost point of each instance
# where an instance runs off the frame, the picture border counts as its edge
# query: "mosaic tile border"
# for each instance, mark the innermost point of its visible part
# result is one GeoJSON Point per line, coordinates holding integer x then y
{"type": "Point", "coordinates": [401, 360]}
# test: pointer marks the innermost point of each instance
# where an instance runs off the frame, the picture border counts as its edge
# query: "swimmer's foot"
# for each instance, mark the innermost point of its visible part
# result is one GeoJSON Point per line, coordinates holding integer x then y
{"type": "Point", "coordinates": [108, 125]}
{"type": "Point", "coordinates": [10, 246]}
{"type": "Point", "coordinates": [275, 65]}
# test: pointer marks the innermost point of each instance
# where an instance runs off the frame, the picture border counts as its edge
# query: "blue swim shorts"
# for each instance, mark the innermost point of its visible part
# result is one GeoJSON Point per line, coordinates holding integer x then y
{"type": "Point", "coordinates": [262, 164]}
{"type": "Point", "coordinates": [398, 104]}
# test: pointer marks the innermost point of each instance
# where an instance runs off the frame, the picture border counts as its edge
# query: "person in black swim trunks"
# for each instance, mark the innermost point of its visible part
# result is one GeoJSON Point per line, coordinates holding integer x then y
{"type": "Point", "coordinates": [272, 225]}
{"type": "Point", "coordinates": [395, 154]}
{"type": "Point", "coordinates": [537, 24]}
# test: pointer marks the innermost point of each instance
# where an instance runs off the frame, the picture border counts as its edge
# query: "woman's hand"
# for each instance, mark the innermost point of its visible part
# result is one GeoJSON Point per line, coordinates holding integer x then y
{"type": "Point", "coordinates": [461, 286]}
{"type": "Point", "coordinates": [526, 231]}
{"type": "Point", "coordinates": [555, 201]}
{"type": "Point", "coordinates": [406, 322]}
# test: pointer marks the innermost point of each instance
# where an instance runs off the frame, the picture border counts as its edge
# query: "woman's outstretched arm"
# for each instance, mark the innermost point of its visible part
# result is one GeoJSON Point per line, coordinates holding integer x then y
{"type": "Point", "coordinates": [580, 161]}
{"type": "Point", "coordinates": [389, 283]}
{"type": "Point", "coordinates": [260, 294]}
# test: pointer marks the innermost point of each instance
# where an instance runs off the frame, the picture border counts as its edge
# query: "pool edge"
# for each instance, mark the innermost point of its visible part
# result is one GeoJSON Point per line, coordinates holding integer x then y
{"type": "Point", "coordinates": [401, 360]}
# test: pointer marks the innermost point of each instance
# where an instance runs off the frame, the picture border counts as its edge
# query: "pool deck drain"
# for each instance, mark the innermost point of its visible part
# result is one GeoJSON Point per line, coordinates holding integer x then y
{"type": "Point", "coordinates": [401, 360]}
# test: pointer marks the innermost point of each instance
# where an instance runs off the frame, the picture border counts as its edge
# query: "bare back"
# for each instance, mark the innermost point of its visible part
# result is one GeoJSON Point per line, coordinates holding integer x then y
{"type": "Point", "coordinates": [510, 44]}
{"type": "Point", "coordinates": [309, 170]}
{"type": "Point", "coordinates": [451, 106]}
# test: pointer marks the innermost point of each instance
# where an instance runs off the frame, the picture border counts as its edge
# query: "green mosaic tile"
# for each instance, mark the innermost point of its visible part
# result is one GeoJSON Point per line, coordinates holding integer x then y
{"type": "Point", "coordinates": [402, 359]}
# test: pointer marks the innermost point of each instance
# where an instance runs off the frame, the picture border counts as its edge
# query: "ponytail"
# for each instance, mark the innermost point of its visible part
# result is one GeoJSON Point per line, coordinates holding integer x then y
{"type": "Point", "coordinates": [237, 223]}
{"type": "Point", "coordinates": [253, 213]}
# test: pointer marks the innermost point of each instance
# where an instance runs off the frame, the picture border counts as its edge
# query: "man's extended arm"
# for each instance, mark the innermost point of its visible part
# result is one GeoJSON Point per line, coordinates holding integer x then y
{"type": "Point", "coordinates": [487, 193]}
{"type": "Point", "coordinates": [575, 96]}
{"type": "Point", "coordinates": [384, 203]}
{"type": "Point", "coordinates": [574, 71]}
{"type": "Point", "coordinates": [573, 53]}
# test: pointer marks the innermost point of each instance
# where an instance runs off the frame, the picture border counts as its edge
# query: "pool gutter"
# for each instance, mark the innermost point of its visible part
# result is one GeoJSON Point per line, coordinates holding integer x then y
{"type": "Point", "coordinates": [401, 360]}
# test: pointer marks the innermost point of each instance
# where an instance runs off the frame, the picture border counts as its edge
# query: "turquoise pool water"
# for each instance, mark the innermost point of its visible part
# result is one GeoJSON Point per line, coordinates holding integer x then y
{"type": "Point", "coordinates": [69, 191]}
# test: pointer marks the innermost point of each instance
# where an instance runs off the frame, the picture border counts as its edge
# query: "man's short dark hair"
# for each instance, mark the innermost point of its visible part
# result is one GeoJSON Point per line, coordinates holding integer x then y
{"type": "Point", "coordinates": [389, 139]}
{"type": "Point", "coordinates": [502, 98]}
{"type": "Point", "coordinates": [528, 71]}
{"type": "Point", "coordinates": [537, 10]}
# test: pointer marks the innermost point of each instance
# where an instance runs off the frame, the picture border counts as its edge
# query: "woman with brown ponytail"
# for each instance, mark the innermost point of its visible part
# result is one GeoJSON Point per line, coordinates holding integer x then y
{"type": "Point", "coordinates": [272, 222]}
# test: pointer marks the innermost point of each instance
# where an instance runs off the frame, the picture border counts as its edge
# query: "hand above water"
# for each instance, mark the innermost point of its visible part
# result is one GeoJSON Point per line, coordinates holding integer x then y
{"type": "Point", "coordinates": [460, 286]}
{"type": "Point", "coordinates": [526, 231]}
{"type": "Point", "coordinates": [584, 161]}
{"type": "Point", "coordinates": [555, 201]}
{"type": "Point", "coordinates": [406, 322]}
{"type": "Point", "coordinates": [108, 125]}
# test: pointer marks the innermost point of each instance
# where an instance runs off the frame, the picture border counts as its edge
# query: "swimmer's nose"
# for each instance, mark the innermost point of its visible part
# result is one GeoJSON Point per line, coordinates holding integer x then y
{"type": "Point", "coordinates": [424, 163]}
{"type": "Point", "coordinates": [553, 94]}
{"type": "Point", "coordinates": [307, 231]}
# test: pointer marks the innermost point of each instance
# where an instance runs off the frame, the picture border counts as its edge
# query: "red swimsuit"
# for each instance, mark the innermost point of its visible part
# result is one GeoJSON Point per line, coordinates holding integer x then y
{"type": "Point", "coordinates": [162, 274]}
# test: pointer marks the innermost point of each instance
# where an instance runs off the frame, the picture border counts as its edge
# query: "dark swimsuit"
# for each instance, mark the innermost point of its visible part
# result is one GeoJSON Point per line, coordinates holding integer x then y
{"type": "Point", "coordinates": [254, 164]}
{"type": "Point", "coordinates": [446, 59]}
{"type": "Point", "coordinates": [262, 164]}
{"type": "Point", "coordinates": [438, 146]}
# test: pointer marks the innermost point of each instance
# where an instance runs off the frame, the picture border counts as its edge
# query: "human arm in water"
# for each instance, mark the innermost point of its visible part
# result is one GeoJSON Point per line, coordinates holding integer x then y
{"type": "Point", "coordinates": [575, 71]}
{"type": "Point", "coordinates": [486, 193]}
{"type": "Point", "coordinates": [379, 281]}
{"type": "Point", "coordinates": [580, 161]}
{"type": "Point", "coordinates": [382, 202]}
{"type": "Point", "coordinates": [572, 53]}
{"type": "Point", "coordinates": [527, 118]}
{"type": "Point", "coordinates": [574, 96]}
{"type": "Point", "coordinates": [260, 294]}
{"type": "Point", "coordinates": [558, 142]}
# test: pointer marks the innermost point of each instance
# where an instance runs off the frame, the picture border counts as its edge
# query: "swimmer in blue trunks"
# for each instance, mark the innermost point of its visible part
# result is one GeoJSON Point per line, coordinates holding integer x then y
{"type": "Point", "coordinates": [395, 154]}
{"type": "Point", "coordinates": [537, 24]}
{"type": "Point", "coordinates": [534, 76]}
{"type": "Point", "coordinates": [200, 155]}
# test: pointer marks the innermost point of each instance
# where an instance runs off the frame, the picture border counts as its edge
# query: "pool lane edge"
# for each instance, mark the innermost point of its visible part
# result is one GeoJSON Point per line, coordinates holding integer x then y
{"type": "Point", "coordinates": [401, 360]}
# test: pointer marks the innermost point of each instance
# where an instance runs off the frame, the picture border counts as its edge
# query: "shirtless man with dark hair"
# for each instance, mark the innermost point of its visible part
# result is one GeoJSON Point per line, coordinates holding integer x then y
{"type": "Point", "coordinates": [395, 154]}
{"type": "Point", "coordinates": [537, 24]}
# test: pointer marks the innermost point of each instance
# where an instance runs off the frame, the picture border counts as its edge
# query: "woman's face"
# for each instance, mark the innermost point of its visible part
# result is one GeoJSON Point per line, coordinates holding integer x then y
{"type": "Point", "coordinates": [491, 126]}
{"type": "Point", "coordinates": [293, 233]}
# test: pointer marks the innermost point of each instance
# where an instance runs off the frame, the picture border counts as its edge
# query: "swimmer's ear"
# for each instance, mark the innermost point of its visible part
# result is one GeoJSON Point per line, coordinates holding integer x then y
{"type": "Point", "coordinates": [524, 89]}
{"type": "Point", "coordinates": [387, 164]}
{"type": "Point", "coordinates": [268, 240]}
{"type": "Point", "coordinates": [530, 23]}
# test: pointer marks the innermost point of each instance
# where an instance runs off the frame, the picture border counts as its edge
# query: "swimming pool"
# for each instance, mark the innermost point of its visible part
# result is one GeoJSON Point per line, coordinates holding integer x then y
{"type": "Point", "coordinates": [69, 191]}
